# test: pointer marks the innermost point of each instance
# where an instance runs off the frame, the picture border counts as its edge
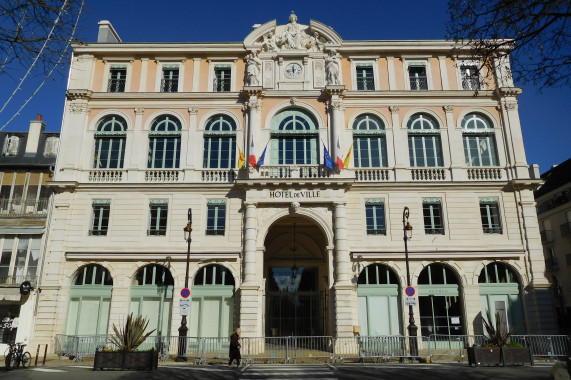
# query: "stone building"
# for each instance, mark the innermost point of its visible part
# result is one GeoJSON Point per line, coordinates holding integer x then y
{"type": "Point", "coordinates": [296, 152]}
{"type": "Point", "coordinates": [554, 213]}
{"type": "Point", "coordinates": [26, 166]}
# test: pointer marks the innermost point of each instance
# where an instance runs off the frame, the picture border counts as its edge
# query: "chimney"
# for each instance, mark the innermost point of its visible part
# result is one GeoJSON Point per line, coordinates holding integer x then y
{"type": "Point", "coordinates": [36, 128]}
{"type": "Point", "coordinates": [107, 33]}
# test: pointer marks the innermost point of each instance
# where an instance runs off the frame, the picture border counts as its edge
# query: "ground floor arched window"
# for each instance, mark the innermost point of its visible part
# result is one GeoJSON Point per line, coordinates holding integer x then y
{"type": "Point", "coordinates": [500, 292]}
{"type": "Point", "coordinates": [151, 297]}
{"type": "Point", "coordinates": [212, 307]}
{"type": "Point", "coordinates": [439, 301]}
{"type": "Point", "coordinates": [378, 301]}
{"type": "Point", "coordinates": [90, 301]}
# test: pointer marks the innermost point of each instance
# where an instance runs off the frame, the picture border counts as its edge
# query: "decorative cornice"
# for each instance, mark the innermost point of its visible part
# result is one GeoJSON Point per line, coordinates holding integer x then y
{"type": "Point", "coordinates": [255, 91]}
{"type": "Point", "coordinates": [78, 94]}
{"type": "Point", "coordinates": [335, 89]}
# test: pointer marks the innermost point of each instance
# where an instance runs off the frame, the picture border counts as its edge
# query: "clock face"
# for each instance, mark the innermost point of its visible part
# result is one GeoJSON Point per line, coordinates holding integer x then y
{"type": "Point", "coordinates": [293, 70]}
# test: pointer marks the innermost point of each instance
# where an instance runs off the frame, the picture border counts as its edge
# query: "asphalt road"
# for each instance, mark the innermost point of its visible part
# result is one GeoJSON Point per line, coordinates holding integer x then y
{"type": "Point", "coordinates": [436, 371]}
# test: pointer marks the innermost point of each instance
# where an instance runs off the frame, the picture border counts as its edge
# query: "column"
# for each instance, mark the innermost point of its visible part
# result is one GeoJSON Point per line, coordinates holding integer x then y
{"type": "Point", "coordinates": [250, 297]}
{"type": "Point", "coordinates": [400, 146]}
{"type": "Point", "coordinates": [344, 290]}
{"type": "Point", "coordinates": [451, 143]}
{"type": "Point", "coordinates": [443, 72]}
{"type": "Point", "coordinates": [336, 116]}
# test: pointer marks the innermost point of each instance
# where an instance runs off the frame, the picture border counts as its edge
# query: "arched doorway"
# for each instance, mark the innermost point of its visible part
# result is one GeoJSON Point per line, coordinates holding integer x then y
{"type": "Point", "coordinates": [151, 297]}
{"type": "Point", "coordinates": [90, 301]}
{"type": "Point", "coordinates": [439, 301]}
{"type": "Point", "coordinates": [296, 278]}
{"type": "Point", "coordinates": [500, 292]}
{"type": "Point", "coordinates": [378, 301]}
{"type": "Point", "coordinates": [212, 309]}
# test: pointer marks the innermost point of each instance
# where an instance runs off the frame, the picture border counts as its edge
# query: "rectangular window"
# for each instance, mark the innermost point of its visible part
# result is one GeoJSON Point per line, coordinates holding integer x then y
{"type": "Point", "coordinates": [222, 78]}
{"type": "Point", "coordinates": [158, 212]}
{"type": "Point", "coordinates": [490, 213]}
{"type": "Point", "coordinates": [470, 78]}
{"type": "Point", "coordinates": [100, 217]}
{"type": "Point", "coordinates": [365, 78]}
{"type": "Point", "coordinates": [169, 81]}
{"type": "Point", "coordinates": [432, 212]}
{"type": "Point", "coordinates": [417, 78]}
{"type": "Point", "coordinates": [19, 259]}
{"type": "Point", "coordinates": [216, 217]}
{"type": "Point", "coordinates": [117, 79]}
{"type": "Point", "coordinates": [375, 217]}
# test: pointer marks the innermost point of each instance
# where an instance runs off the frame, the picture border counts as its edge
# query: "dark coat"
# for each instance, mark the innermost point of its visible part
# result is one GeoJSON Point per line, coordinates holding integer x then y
{"type": "Point", "coordinates": [234, 346]}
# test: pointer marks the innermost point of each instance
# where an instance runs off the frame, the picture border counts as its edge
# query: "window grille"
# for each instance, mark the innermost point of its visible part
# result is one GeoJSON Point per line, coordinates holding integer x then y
{"type": "Point", "coordinates": [365, 78]}
{"type": "Point", "coordinates": [222, 77]}
{"type": "Point", "coordinates": [117, 80]}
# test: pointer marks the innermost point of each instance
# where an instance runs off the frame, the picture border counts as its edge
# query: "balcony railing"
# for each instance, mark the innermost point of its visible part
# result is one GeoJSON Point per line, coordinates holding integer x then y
{"type": "Point", "coordinates": [16, 280]}
{"type": "Point", "coordinates": [169, 85]}
{"type": "Point", "coordinates": [428, 174]}
{"type": "Point", "coordinates": [434, 231]}
{"type": "Point", "coordinates": [470, 83]}
{"type": "Point", "coordinates": [484, 174]}
{"type": "Point", "coordinates": [218, 175]}
{"type": "Point", "coordinates": [292, 172]}
{"type": "Point", "coordinates": [371, 175]}
{"type": "Point", "coordinates": [162, 175]}
{"type": "Point", "coordinates": [418, 83]}
{"type": "Point", "coordinates": [106, 175]}
{"type": "Point", "coordinates": [26, 207]}
{"type": "Point", "coordinates": [565, 229]}
{"type": "Point", "coordinates": [366, 84]}
{"type": "Point", "coordinates": [546, 236]}
{"type": "Point", "coordinates": [157, 232]}
{"type": "Point", "coordinates": [492, 230]}
{"type": "Point", "coordinates": [116, 85]}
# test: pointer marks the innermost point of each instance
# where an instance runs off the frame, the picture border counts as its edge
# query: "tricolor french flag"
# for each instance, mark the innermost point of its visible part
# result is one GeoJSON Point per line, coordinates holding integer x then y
{"type": "Point", "coordinates": [252, 158]}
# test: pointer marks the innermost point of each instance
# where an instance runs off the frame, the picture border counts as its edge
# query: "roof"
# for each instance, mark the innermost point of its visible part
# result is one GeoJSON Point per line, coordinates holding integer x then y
{"type": "Point", "coordinates": [23, 160]}
{"type": "Point", "coordinates": [554, 178]}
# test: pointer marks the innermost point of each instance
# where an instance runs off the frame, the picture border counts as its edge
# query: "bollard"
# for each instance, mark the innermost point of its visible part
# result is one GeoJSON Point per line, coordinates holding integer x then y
{"type": "Point", "coordinates": [38, 354]}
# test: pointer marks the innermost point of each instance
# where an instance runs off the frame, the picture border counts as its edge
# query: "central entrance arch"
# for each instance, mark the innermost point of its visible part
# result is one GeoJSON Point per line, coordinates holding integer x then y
{"type": "Point", "coordinates": [296, 276]}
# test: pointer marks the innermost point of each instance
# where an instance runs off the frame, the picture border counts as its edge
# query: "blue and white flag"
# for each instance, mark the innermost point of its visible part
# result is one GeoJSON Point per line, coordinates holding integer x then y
{"type": "Point", "coordinates": [327, 161]}
{"type": "Point", "coordinates": [262, 157]}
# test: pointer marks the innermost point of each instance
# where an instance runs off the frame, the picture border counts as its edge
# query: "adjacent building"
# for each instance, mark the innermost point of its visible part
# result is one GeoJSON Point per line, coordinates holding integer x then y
{"type": "Point", "coordinates": [296, 152]}
{"type": "Point", "coordinates": [26, 166]}
{"type": "Point", "coordinates": [554, 213]}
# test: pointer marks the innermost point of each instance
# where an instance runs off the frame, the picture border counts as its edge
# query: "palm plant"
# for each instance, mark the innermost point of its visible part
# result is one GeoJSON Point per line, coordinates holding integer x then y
{"type": "Point", "coordinates": [496, 333]}
{"type": "Point", "coordinates": [129, 337]}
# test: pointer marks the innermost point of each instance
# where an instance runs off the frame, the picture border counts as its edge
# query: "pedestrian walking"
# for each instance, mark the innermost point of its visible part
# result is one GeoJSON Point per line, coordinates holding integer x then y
{"type": "Point", "coordinates": [235, 348]}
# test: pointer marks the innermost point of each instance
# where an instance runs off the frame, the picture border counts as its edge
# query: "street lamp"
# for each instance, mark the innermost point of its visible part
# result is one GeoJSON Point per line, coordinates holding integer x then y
{"type": "Point", "coordinates": [183, 329]}
{"type": "Point", "coordinates": [412, 329]}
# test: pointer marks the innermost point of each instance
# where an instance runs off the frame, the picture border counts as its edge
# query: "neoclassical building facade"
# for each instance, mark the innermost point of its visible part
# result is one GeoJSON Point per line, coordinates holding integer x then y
{"type": "Point", "coordinates": [296, 152]}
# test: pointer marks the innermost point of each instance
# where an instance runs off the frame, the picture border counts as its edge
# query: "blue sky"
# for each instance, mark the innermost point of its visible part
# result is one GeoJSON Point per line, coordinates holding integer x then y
{"type": "Point", "coordinates": [545, 117]}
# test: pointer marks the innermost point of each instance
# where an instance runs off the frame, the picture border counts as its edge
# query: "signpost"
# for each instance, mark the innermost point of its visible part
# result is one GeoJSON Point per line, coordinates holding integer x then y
{"type": "Point", "coordinates": [184, 304]}
{"type": "Point", "coordinates": [410, 299]}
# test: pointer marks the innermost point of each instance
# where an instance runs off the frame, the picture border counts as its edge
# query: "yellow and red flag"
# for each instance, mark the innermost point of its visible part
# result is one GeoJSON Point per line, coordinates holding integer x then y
{"type": "Point", "coordinates": [348, 158]}
{"type": "Point", "coordinates": [241, 158]}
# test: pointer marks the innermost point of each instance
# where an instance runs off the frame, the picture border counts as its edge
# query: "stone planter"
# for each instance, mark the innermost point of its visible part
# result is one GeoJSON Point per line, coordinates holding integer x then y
{"type": "Point", "coordinates": [484, 356]}
{"type": "Point", "coordinates": [134, 360]}
{"type": "Point", "coordinates": [517, 355]}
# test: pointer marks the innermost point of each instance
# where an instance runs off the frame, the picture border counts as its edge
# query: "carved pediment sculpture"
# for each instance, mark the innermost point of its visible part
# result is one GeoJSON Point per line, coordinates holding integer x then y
{"type": "Point", "coordinates": [270, 37]}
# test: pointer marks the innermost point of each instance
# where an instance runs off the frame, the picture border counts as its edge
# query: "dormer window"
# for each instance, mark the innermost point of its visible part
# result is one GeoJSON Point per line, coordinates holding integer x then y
{"type": "Point", "coordinates": [50, 149]}
{"type": "Point", "coordinates": [11, 145]}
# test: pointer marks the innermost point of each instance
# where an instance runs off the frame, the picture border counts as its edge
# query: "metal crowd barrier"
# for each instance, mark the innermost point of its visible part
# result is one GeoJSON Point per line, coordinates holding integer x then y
{"type": "Point", "coordinates": [545, 345]}
{"type": "Point", "coordinates": [307, 349]}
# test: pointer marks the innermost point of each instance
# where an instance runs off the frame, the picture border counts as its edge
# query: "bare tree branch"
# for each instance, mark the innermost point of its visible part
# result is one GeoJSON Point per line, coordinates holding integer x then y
{"type": "Point", "coordinates": [536, 34]}
{"type": "Point", "coordinates": [25, 27]}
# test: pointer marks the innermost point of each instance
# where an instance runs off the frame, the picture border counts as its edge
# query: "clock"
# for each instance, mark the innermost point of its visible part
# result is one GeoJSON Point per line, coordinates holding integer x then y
{"type": "Point", "coordinates": [293, 70]}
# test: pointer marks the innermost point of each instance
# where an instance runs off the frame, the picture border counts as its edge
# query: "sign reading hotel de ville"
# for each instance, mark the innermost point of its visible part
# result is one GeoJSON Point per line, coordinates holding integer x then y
{"type": "Point", "coordinates": [294, 194]}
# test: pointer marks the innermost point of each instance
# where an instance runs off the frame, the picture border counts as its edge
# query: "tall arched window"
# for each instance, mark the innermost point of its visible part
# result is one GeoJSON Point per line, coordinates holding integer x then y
{"type": "Point", "coordinates": [479, 141]}
{"type": "Point", "coordinates": [378, 301]}
{"type": "Point", "coordinates": [369, 142]}
{"type": "Point", "coordinates": [424, 145]}
{"type": "Point", "coordinates": [212, 310]}
{"type": "Point", "coordinates": [294, 135]}
{"type": "Point", "coordinates": [151, 297]}
{"type": "Point", "coordinates": [439, 301]}
{"type": "Point", "coordinates": [90, 301]}
{"type": "Point", "coordinates": [164, 143]}
{"type": "Point", "coordinates": [110, 136]}
{"type": "Point", "coordinates": [219, 143]}
{"type": "Point", "coordinates": [500, 293]}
